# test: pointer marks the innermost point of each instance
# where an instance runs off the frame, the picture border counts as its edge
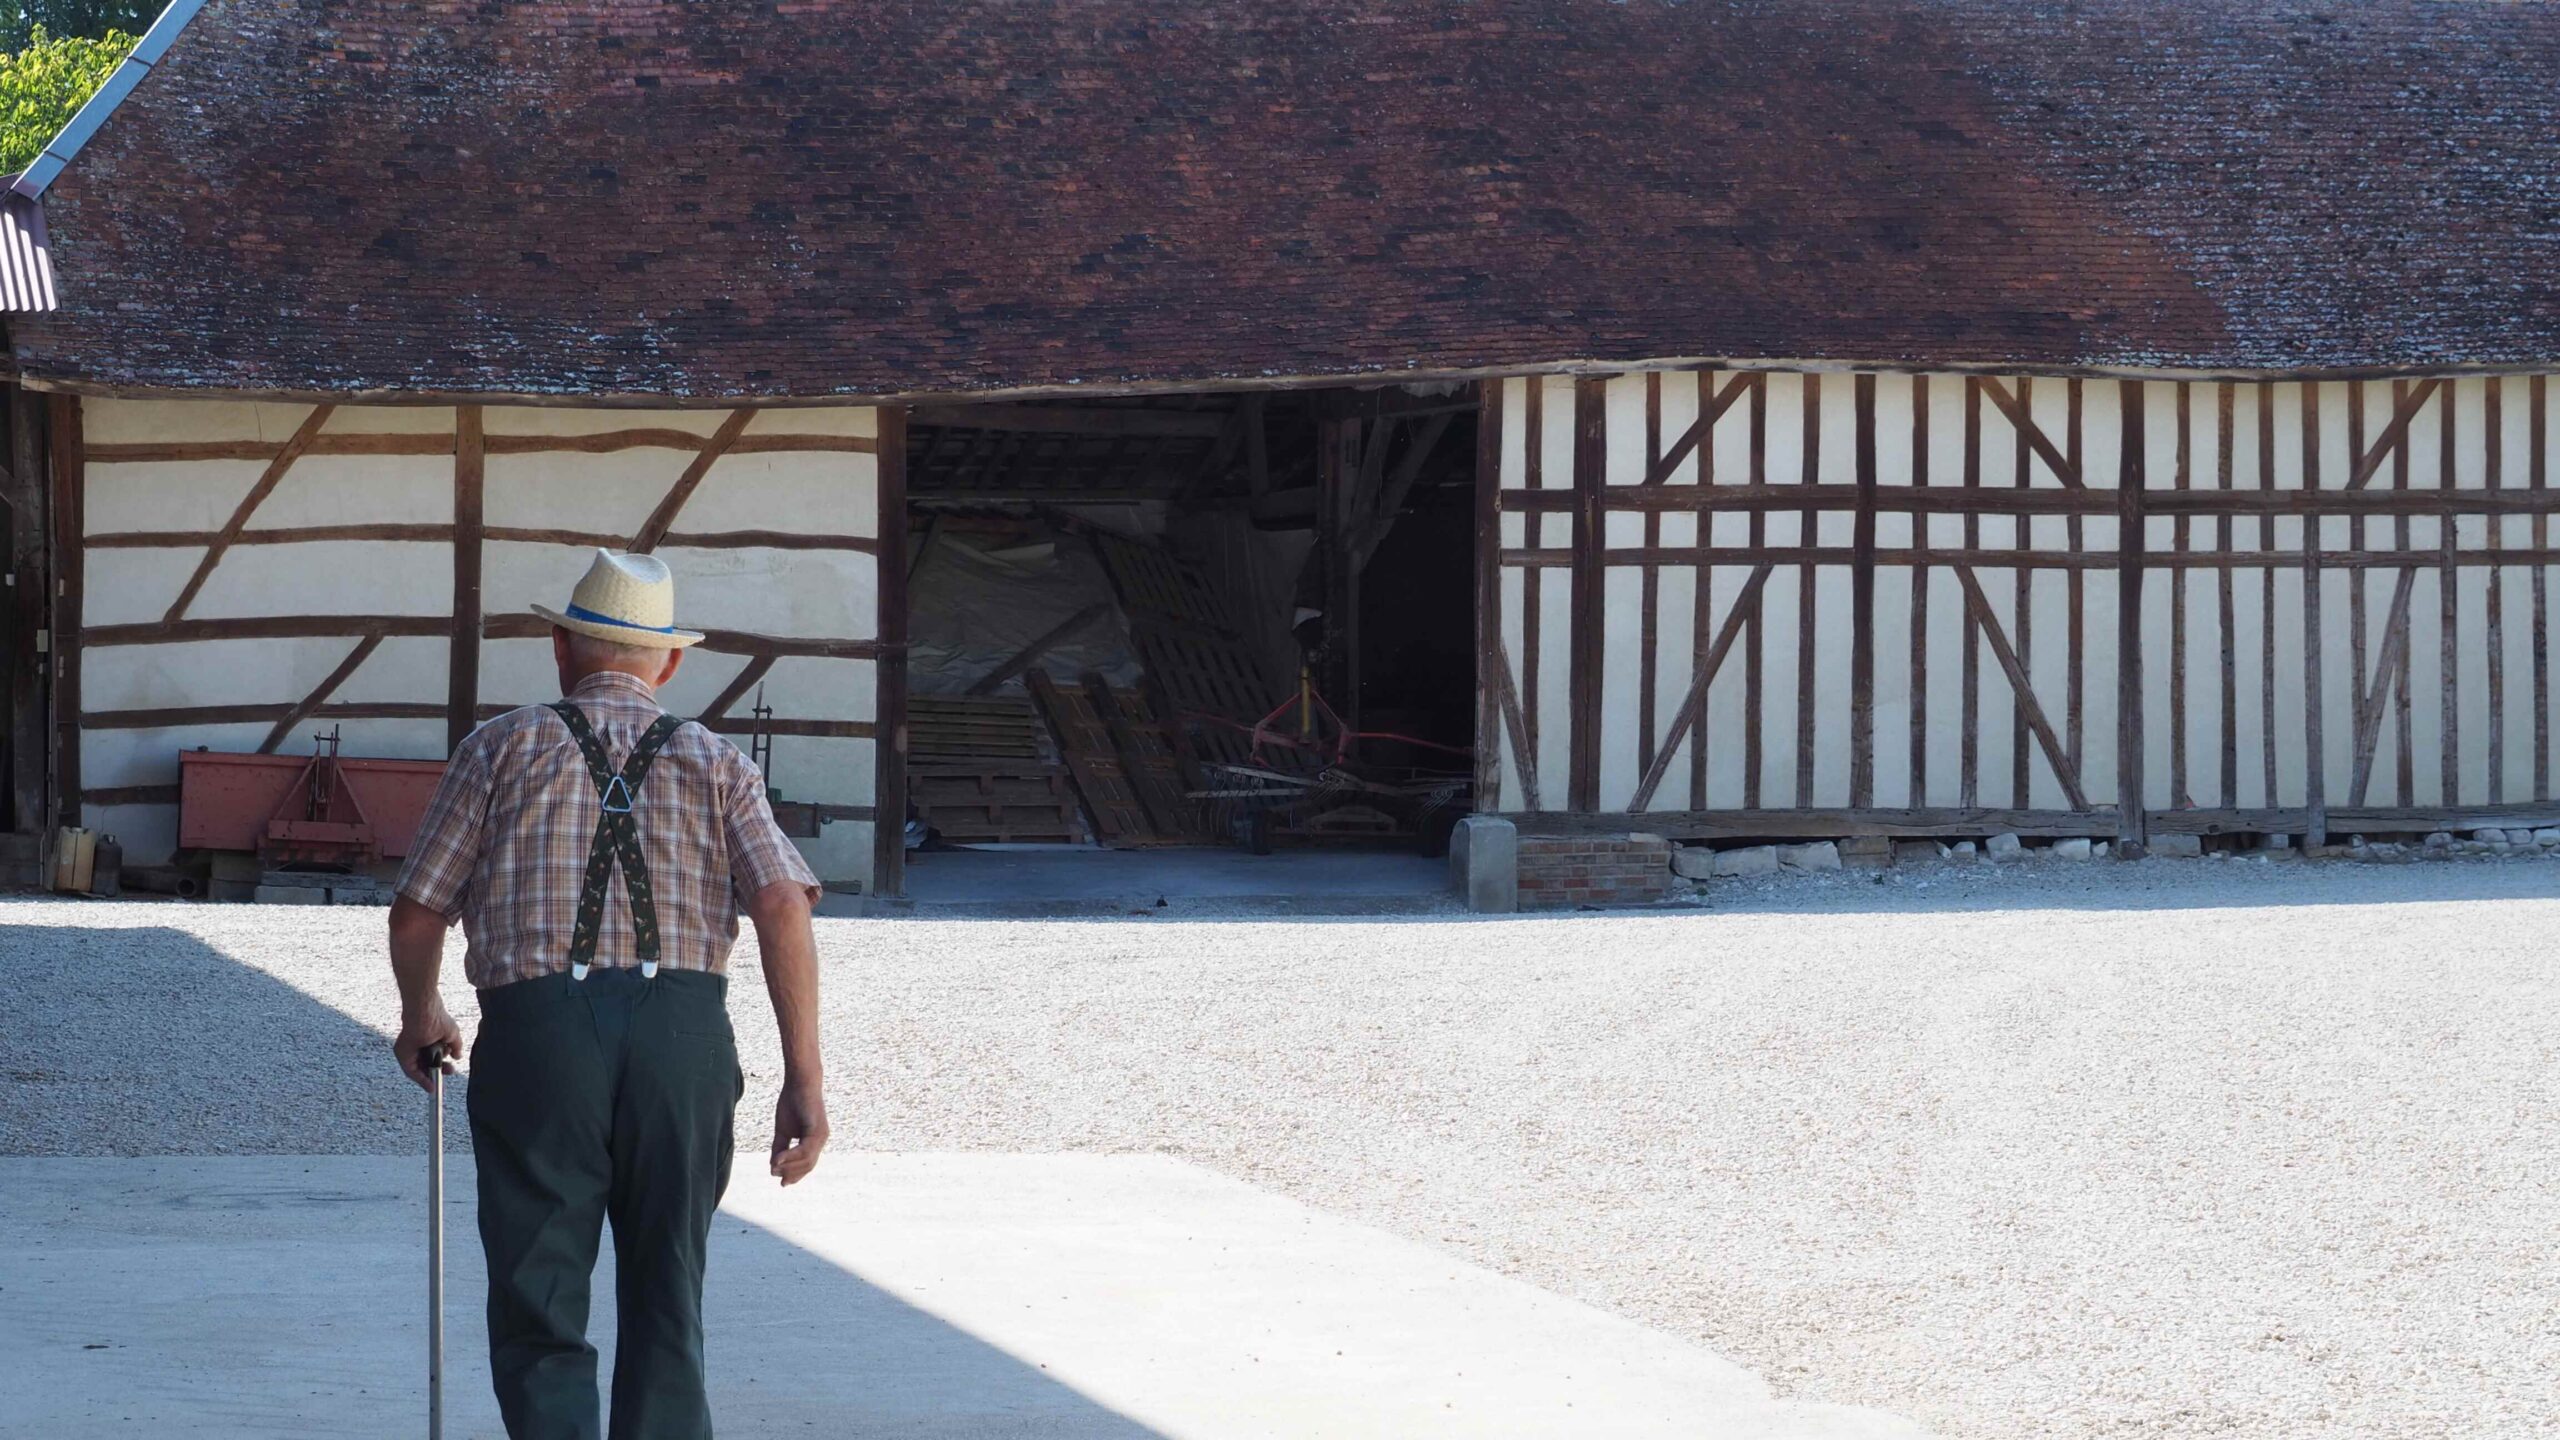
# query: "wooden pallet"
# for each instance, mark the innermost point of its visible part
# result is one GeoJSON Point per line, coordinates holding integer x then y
{"type": "Point", "coordinates": [971, 730]}
{"type": "Point", "coordinates": [1196, 658]}
{"type": "Point", "coordinates": [1123, 763]}
{"type": "Point", "coordinates": [997, 803]}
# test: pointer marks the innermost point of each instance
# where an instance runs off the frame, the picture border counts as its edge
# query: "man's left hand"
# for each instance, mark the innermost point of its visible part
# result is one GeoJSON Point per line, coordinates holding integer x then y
{"type": "Point", "coordinates": [420, 1031]}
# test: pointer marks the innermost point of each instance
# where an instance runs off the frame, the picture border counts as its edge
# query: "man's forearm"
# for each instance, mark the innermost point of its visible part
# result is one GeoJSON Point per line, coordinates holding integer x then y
{"type": "Point", "coordinates": [417, 954]}
{"type": "Point", "coordinates": [790, 952]}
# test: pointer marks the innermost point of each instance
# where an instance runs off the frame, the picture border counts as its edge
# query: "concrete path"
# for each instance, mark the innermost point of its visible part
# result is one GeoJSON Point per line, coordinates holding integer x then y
{"type": "Point", "coordinates": [1033, 881]}
{"type": "Point", "coordinates": [938, 1296]}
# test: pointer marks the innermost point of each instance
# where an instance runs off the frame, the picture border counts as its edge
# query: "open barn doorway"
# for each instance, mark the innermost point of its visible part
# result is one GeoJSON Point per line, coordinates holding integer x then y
{"type": "Point", "coordinates": [1193, 646]}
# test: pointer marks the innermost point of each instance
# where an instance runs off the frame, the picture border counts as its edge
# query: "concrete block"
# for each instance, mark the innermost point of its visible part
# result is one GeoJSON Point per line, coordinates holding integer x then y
{"type": "Point", "coordinates": [2547, 837]}
{"type": "Point", "coordinates": [1693, 862]}
{"type": "Point", "coordinates": [289, 895]}
{"type": "Point", "coordinates": [2076, 847]}
{"type": "Point", "coordinates": [1918, 852]}
{"type": "Point", "coordinates": [1866, 852]}
{"type": "Point", "coordinates": [1820, 855]}
{"type": "Point", "coordinates": [2003, 846]}
{"type": "Point", "coordinates": [1747, 860]}
{"type": "Point", "coordinates": [1484, 863]}
{"type": "Point", "coordinates": [2178, 847]}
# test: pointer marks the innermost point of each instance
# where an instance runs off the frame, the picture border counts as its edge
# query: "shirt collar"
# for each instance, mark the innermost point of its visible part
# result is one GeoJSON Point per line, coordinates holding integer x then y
{"type": "Point", "coordinates": [614, 682]}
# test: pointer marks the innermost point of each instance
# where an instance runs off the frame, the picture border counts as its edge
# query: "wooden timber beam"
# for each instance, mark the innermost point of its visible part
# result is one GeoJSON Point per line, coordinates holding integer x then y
{"type": "Point", "coordinates": [267, 481]}
{"type": "Point", "coordinates": [1072, 420]}
{"type": "Point", "coordinates": [320, 694]}
{"type": "Point", "coordinates": [462, 652]}
{"type": "Point", "coordinates": [2009, 405]}
{"type": "Point", "coordinates": [1029, 655]}
{"type": "Point", "coordinates": [654, 529]}
{"type": "Point", "coordinates": [1694, 704]}
{"type": "Point", "coordinates": [2063, 770]}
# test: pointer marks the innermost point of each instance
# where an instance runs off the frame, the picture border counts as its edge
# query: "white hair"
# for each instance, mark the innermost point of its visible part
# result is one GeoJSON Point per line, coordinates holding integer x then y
{"type": "Point", "coordinates": [589, 652]}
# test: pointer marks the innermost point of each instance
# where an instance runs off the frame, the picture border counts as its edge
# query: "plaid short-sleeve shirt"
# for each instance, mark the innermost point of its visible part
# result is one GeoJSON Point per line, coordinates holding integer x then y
{"type": "Point", "coordinates": [503, 847]}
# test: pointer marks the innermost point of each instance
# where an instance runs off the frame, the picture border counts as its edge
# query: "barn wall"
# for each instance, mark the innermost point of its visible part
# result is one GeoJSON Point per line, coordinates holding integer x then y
{"type": "Point", "coordinates": [350, 523]}
{"type": "Point", "coordinates": [2335, 594]}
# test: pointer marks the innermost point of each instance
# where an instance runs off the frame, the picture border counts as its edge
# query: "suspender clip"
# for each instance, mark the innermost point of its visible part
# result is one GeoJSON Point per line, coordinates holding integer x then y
{"type": "Point", "coordinates": [579, 972]}
{"type": "Point", "coordinates": [617, 796]}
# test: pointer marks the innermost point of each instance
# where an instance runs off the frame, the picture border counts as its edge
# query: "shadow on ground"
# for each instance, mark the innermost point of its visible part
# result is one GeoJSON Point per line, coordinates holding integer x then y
{"type": "Point", "coordinates": [247, 1295]}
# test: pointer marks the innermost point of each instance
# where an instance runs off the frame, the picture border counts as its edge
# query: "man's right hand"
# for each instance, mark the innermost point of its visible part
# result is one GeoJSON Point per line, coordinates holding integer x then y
{"type": "Point", "coordinates": [799, 1116]}
{"type": "Point", "coordinates": [419, 1032]}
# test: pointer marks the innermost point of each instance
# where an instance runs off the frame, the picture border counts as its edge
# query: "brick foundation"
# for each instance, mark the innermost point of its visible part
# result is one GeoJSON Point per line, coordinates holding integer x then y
{"type": "Point", "coordinates": [1565, 870]}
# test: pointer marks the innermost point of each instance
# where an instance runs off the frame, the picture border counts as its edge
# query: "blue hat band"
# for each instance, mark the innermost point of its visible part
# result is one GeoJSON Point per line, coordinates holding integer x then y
{"type": "Point", "coordinates": [580, 612]}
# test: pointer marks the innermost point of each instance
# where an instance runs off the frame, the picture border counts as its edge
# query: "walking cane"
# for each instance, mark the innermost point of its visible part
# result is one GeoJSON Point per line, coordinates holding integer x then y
{"type": "Point", "coordinates": [433, 1058]}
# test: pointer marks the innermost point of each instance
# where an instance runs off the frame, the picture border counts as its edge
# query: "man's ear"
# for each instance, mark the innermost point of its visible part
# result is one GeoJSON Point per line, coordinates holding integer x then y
{"type": "Point", "coordinates": [675, 658]}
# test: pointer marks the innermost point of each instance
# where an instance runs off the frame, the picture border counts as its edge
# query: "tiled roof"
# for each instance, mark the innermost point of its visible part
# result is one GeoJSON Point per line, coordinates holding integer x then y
{"type": "Point", "coordinates": [657, 197]}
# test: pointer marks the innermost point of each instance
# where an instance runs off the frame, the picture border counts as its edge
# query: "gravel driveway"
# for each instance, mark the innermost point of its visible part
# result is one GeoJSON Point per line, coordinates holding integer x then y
{"type": "Point", "coordinates": [2182, 1148]}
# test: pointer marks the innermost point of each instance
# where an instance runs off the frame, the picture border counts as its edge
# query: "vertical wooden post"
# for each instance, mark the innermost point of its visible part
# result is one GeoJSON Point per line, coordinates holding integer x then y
{"type": "Point", "coordinates": [2315, 760]}
{"type": "Point", "coordinates": [1489, 661]}
{"type": "Point", "coordinates": [1862, 604]}
{"type": "Point", "coordinates": [1590, 457]}
{"type": "Point", "coordinates": [2132, 816]}
{"type": "Point", "coordinates": [68, 449]}
{"type": "Point", "coordinates": [31, 610]}
{"type": "Point", "coordinates": [462, 687]}
{"type": "Point", "coordinates": [889, 689]}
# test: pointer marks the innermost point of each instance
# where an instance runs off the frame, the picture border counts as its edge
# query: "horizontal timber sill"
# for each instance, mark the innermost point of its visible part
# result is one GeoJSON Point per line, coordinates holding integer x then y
{"type": "Point", "coordinates": [443, 534]}
{"type": "Point", "coordinates": [1815, 824]}
{"type": "Point", "coordinates": [2011, 500]}
{"type": "Point", "coordinates": [2154, 557]}
{"type": "Point", "coordinates": [602, 443]}
{"type": "Point", "coordinates": [494, 627]}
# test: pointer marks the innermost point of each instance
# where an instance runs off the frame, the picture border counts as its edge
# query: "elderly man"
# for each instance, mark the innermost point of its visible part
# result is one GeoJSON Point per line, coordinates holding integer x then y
{"type": "Point", "coordinates": [605, 1080]}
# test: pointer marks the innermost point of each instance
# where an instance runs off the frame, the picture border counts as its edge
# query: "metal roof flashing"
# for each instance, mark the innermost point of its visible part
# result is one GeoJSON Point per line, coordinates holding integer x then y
{"type": "Point", "coordinates": [147, 53]}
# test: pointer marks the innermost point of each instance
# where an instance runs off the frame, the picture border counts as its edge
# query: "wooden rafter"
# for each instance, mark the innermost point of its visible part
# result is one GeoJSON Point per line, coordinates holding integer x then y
{"type": "Point", "coordinates": [2009, 405]}
{"type": "Point", "coordinates": [1694, 704]}
{"type": "Point", "coordinates": [1029, 655]}
{"type": "Point", "coordinates": [654, 530]}
{"type": "Point", "coordinates": [2063, 770]}
{"type": "Point", "coordinates": [273, 475]}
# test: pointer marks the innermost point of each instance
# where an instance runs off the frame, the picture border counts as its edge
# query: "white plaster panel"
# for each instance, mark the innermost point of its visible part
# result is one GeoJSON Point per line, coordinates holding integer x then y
{"type": "Point", "coordinates": [814, 492]}
{"type": "Point", "coordinates": [409, 669]}
{"type": "Point", "coordinates": [335, 577]}
{"type": "Point", "coordinates": [1512, 462]}
{"type": "Point", "coordinates": [361, 490]}
{"type": "Point", "coordinates": [824, 768]}
{"type": "Point", "coordinates": [133, 422]}
{"type": "Point", "coordinates": [862, 421]}
{"type": "Point", "coordinates": [840, 856]}
{"type": "Point", "coordinates": [803, 687]}
{"type": "Point", "coordinates": [1512, 600]}
{"type": "Point", "coordinates": [148, 833]}
{"type": "Point", "coordinates": [127, 587]}
{"type": "Point", "coordinates": [1780, 702]}
{"type": "Point", "coordinates": [199, 495]}
{"type": "Point", "coordinates": [612, 494]}
{"type": "Point", "coordinates": [1621, 684]}
{"type": "Point", "coordinates": [1892, 697]}
{"type": "Point", "coordinates": [114, 758]}
{"type": "Point", "coordinates": [1554, 595]}
{"type": "Point", "coordinates": [1555, 435]}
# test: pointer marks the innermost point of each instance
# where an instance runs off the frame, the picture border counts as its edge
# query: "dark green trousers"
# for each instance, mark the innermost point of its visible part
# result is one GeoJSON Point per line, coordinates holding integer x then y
{"type": "Point", "coordinates": [609, 1098]}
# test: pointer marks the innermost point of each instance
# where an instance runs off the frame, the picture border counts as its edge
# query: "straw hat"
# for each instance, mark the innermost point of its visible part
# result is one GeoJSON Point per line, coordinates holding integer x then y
{"type": "Point", "coordinates": [628, 599]}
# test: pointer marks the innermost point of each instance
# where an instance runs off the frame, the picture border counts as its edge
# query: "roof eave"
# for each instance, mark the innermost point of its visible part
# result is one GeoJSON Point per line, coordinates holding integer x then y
{"type": "Point", "coordinates": [59, 151]}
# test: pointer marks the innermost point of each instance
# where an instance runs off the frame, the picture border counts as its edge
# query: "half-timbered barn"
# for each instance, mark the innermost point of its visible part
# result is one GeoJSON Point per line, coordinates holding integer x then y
{"type": "Point", "coordinates": [1728, 421]}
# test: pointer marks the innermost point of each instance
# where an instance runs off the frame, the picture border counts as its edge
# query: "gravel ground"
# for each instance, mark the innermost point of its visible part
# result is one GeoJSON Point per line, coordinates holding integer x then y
{"type": "Point", "coordinates": [2175, 1149]}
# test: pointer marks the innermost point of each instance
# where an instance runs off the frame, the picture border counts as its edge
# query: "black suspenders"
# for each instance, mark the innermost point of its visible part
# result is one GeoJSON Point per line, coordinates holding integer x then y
{"type": "Point", "coordinates": [617, 835]}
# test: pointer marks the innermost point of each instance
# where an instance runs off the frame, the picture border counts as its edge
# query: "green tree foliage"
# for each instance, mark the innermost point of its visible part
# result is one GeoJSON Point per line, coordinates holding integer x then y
{"type": "Point", "coordinates": [41, 87]}
{"type": "Point", "coordinates": [75, 19]}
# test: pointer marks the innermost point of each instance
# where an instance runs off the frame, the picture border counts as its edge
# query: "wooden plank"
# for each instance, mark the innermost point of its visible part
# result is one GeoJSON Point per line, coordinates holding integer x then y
{"type": "Point", "coordinates": [1702, 596]}
{"type": "Point", "coordinates": [2495, 648]}
{"type": "Point", "coordinates": [1808, 732]}
{"type": "Point", "coordinates": [1862, 602]}
{"type": "Point", "coordinates": [31, 627]}
{"type": "Point", "coordinates": [1693, 706]}
{"type": "Point", "coordinates": [130, 795]}
{"type": "Point", "coordinates": [654, 530]}
{"type": "Point", "coordinates": [1110, 804]}
{"type": "Point", "coordinates": [277, 535]}
{"type": "Point", "coordinates": [1492, 665]}
{"type": "Point", "coordinates": [2315, 705]}
{"type": "Point", "coordinates": [610, 442]}
{"type": "Point", "coordinates": [2225, 396]}
{"type": "Point", "coordinates": [1532, 608]}
{"type": "Point", "coordinates": [1919, 598]}
{"type": "Point", "coordinates": [2028, 501]}
{"type": "Point", "coordinates": [2030, 435]}
{"type": "Point", "coordinates": [680, 540]}
{"type": "Point", "coordinates": [320, 694]}
{"type": "Point", "coordinates": [806, 729]}
{"type": "Point", "coordinates": [153, 452]}
{"type": "Point", "coordinates": [1649, 600]}
{"type": "Point", "coordinates": [716, 642]}
{"type": "Point", "coordinates": [2451, 629]}
{"type": "Point", "coordinates": [2538, 478]}
{"type": "Point", "coordinates": [1149, 762]}
{"type": "Point", "coordinates": [173, 717]}
{"type": "Point", "coordinates": [1970, 760]}
{"type": "Point", "coordinates": [67, 507]}
{"type": "Point", "coordinates": [2074, 666]}
{"type": "Point", "coordinates": [1072, 420]}
{"type": "Point", "coordinates": [889, 680]}
{"type": "Point", "coordinates": [1753, 699]}
{"type": "Point", "coordinates": [2266, 538]}
{"type": "Point", "coordinates": [1029, 655]}
{"type": "Point", "coordinates": [2028, 709]}
{"type": "Point", "coordinates": [1826, 822]}
{"type": "Point", "coordinates": [2389, 672]}
{"type": "Point", "coordinates": [265, 485]}
{"type": "Point", "coordinates": [2406, 752]}
{"type": "Point", "coordinates": [462, 679]}
{"type": "Point", "coordinates": [1590, 461]}
{"type": "Point", "coordinates": [2357, 652]}
{"type": "Point", "coordinates": [2132, 546]}
{"type": "Point", "coordinates": [1515, 724]}
{"type": "Point", "coordinates": [2183, 478]}
{"type": "Point", "coordinates": [2025, 613]}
